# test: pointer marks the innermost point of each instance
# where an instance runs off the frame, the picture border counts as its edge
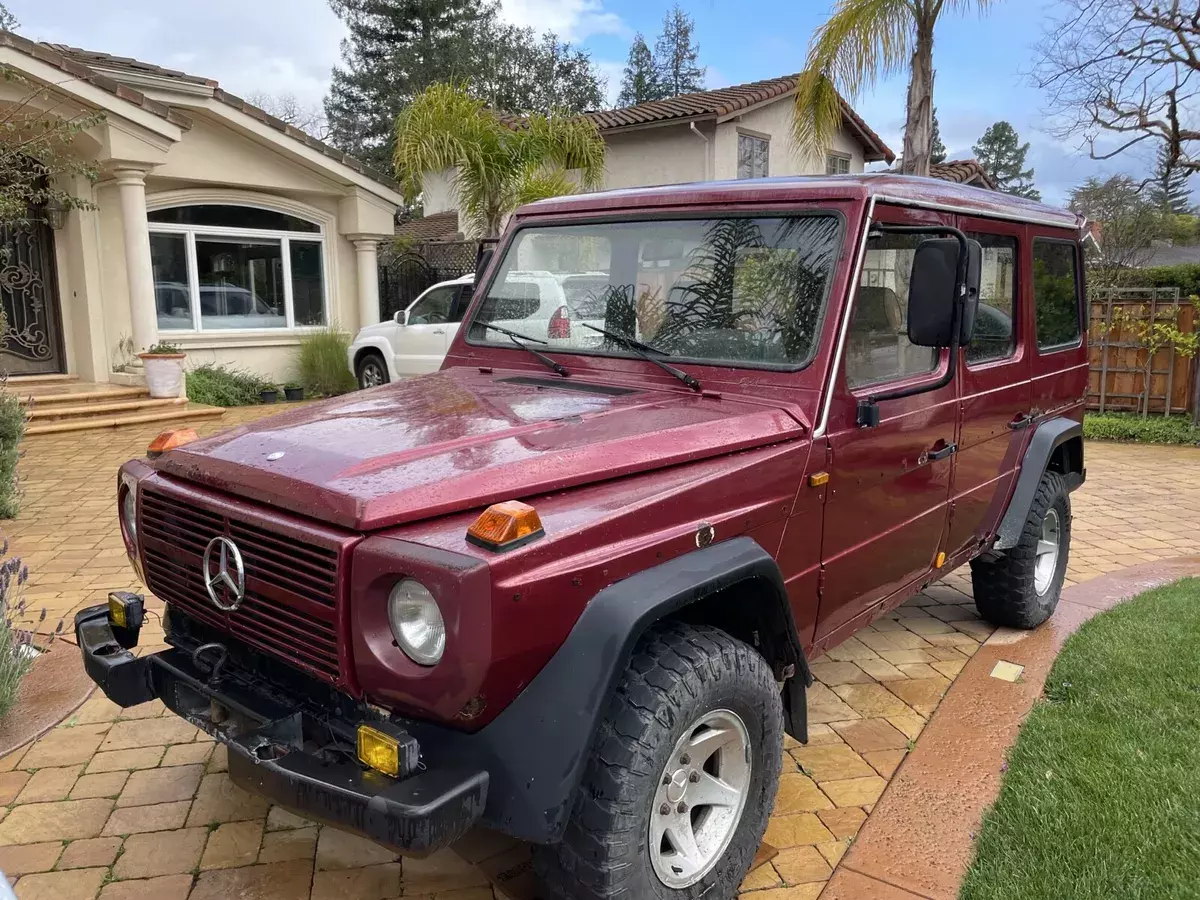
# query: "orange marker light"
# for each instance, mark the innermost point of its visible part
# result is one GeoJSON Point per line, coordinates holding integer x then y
{"type": "Point", "coordinates": [169, 440]}
{"type": "Point", "coordinates": [505, 526]}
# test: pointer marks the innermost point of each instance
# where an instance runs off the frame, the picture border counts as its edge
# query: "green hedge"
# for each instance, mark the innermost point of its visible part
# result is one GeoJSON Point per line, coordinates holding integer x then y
{"type": "Point", "coordinates": [221, 386]}
{"type": "Point", "coordinates": [1153, 429]}
{"type": "Point", "coordinates": [1185, 276]}
{"type": "Point", "coordinates": [12, 429]}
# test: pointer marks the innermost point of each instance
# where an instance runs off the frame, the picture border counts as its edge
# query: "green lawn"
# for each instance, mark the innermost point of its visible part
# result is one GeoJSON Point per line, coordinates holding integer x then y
{"type": "Point", "coordinates": [1101, 799]}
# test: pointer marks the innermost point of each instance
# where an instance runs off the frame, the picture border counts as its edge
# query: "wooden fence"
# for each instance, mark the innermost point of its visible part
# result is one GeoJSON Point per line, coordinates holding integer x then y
{"type": "Point", "coordinates": [1125, 374]}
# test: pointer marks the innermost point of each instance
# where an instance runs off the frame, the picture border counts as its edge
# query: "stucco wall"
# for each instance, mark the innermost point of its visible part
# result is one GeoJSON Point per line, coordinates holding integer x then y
{"type": "Point", "coordinates": [669, 155]}
{"type": "Point", "coordinates": [774, 121]}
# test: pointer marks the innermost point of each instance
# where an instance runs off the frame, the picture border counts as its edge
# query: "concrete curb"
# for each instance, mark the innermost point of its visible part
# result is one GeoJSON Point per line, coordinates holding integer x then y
{"type": "Point", "coordinates": [918, 841]}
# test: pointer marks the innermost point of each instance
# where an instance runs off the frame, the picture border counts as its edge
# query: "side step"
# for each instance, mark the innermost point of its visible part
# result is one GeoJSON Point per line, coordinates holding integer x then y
{"type": "Point", "coordinates": [179, 411]}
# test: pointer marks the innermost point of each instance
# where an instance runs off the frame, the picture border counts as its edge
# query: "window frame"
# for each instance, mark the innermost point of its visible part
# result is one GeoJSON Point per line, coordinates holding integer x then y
{"type": "Point", "coordinates": [840, 157]}
{"type": "Point", "coordinates": [1017, 313]}
{"type": "Point", "coordinates": [191, 232]}
{"type": "Point", "coordinates": [765, 139]}
{"type": "Point", "coordinates": [481, 290]}
{"type": "Point", "coordinates": [1077, 268]}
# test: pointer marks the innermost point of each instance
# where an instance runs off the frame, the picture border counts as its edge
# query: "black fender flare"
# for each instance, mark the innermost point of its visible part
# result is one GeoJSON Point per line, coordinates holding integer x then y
{"type": "Point", "coordinates": [1049, 436]}
{"type": "Point", "coordinates": [536, 749]}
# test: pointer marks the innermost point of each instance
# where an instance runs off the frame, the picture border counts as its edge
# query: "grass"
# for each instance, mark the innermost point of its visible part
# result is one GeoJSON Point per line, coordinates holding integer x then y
{"type": "Point", "coordinates": [324, 370]}
{"type": "Point", "coordinates": [1153, 429]}
{"type": "Point", "coordinates": [221, 386]}
{"type": "Point", "coordinates": [1102, 793]}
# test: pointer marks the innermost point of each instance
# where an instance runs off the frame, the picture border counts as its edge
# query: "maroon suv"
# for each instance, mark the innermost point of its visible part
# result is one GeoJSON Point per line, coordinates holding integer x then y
{"type": "Point", "coordinates": [567, 587]}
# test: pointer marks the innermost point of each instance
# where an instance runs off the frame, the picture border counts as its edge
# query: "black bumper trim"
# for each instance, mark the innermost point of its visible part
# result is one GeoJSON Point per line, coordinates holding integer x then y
{"type": "Point", "coordinates": [418, 815]}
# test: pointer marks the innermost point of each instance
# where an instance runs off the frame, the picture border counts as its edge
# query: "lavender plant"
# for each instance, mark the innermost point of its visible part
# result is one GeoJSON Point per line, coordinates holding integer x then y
{"type": "Point", "coordinates": [16, 643]}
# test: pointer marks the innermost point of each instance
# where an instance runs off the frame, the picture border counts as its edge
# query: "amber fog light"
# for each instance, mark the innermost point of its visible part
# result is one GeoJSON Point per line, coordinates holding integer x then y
{"type": "Point", "coordinates": [417, 622]}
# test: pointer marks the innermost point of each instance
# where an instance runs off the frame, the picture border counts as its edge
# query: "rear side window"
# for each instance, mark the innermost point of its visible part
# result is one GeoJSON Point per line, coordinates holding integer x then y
{"type": "Point", "coordinates": [514, 299]}
{"type": "Point", "coordinates": [877, 346]}
{"type": "Point", "coordinates": [1055, 293]}
{"type": "Point", "coordinates": [994, 333]}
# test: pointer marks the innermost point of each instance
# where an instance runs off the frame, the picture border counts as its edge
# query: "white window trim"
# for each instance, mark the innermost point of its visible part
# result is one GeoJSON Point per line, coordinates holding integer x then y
{"type": "Point", "coordinates": [190, 233]}
{"type": "Point", "coordinates": [757, 136]}
{"type": "Point", "coordinates": [840, 156]}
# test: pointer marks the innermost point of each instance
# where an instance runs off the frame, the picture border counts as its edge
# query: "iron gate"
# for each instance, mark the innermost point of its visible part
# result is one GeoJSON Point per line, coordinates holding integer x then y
{"type": "Point", "coordinates": [31, 343]}
{"type": "Point", "coordinates": [403, 277]}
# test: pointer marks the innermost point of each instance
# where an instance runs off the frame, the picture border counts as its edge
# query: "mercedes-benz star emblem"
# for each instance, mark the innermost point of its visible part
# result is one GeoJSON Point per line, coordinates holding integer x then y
{"type": "Point", "coordinates": [226, 584]}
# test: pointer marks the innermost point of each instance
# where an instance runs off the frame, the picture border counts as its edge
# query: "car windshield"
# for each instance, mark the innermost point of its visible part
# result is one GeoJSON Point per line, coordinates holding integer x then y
{"type": "Point", "coordinates": [737, 290]}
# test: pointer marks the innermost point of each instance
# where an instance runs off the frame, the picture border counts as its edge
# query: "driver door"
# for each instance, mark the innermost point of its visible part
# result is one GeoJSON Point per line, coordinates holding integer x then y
{"type": "Point", "coordinates": [421, 343]}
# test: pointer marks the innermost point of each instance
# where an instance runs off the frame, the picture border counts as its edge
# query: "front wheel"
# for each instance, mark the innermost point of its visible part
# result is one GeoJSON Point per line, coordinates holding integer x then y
{"type": "Point", "coordinates": [675, 796]}
{"type": "Point", "coordinates": [372, 371]}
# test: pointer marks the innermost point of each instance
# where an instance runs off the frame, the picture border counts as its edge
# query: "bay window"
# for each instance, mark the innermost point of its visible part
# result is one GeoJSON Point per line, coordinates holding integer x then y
{"type": "Point", "coordinates": [224, 267]}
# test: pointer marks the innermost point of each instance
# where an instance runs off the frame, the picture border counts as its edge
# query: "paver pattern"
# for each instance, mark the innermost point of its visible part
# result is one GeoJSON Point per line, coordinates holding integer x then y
{"type": "Point", "coordinates": [127, 804]}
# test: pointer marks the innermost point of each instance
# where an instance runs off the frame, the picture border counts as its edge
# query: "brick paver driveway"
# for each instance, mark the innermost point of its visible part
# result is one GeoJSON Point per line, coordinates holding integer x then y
{"type": "Point", "coordinates": [132, 804]}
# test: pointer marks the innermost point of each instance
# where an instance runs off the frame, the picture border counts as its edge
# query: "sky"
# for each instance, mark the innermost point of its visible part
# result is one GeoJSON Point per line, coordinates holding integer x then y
{"type": "Point", "coordinates": [290, 46]}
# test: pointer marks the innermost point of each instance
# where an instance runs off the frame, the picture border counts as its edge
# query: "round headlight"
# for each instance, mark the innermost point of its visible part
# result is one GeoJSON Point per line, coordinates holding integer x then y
{"type": "Point", "coordinates": [129, 514]}
{"type": "Point", "coordinates": [417, 622]}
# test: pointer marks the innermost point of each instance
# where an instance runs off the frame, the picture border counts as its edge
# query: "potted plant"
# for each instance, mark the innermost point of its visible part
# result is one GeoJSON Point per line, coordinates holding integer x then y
{"type": "Point", "coordinates": [164, 370]}
{"type": "Point", "coordinates": [293, 390]}
{"type": "Point", "coordinates": [268, 393]}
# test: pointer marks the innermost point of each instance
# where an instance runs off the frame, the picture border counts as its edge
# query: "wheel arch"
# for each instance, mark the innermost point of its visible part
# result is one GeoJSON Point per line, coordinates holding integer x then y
{"type": "Point", "coordinates": [372, 349]}
{"type": "Point", "coordinates": [1056, 446]}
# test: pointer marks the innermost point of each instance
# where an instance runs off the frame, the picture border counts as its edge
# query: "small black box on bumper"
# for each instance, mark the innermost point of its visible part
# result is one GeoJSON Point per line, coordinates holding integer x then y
{"type": "Point", "coordinates": [418, 814]}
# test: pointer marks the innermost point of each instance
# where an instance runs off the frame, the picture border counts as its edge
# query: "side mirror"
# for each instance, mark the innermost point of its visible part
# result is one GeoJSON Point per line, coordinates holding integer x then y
{"type": "Point", "coordinates": [481, 262]}
{"type": "Point", "coordinates": [401, 317]}
{"type": "Point", "coordinates": [932, 295]}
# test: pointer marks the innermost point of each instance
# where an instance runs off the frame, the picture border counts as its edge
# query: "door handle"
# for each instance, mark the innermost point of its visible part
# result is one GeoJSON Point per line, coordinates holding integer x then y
{"type": "Point", "coordinates": [439, 331]}
{"type": "Point", "coordinates": [941, 453]}
{"type": "Point", "coordinates": [1021, 420]}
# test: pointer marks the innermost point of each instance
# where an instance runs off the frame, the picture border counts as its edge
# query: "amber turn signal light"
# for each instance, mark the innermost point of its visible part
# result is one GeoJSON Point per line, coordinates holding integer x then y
{"type": "Point", "coordinates": [169, 440]}
{"type": "Point", "coordinates": [504, 526]}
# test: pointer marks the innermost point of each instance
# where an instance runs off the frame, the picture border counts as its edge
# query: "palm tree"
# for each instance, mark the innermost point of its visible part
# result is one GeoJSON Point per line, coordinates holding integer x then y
{"type": "Point", "coordinates": [863, 41]}
{"type": "Point", "coordinates": [496, 164]}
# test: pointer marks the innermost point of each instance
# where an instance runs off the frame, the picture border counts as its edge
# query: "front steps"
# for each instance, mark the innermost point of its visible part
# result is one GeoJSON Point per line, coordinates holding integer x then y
{"type": "Point", "coordinates": [59, 403]}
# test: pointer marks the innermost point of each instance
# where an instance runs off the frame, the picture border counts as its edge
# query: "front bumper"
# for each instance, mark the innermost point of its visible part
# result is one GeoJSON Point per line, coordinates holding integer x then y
{"type": "Point", "coordinates": [265, 734]}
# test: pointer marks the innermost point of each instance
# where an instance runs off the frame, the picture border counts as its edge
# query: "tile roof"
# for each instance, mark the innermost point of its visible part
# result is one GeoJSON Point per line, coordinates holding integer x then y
{"type": "Point", "coordinates": [50, 54]}
{"type": "Point", "coordinates": [962, 171]}
{"type": "Point", "coordinates": [729, 101]}
{"type": "Point", "coordinates": [441, 226]}
{"type": "Point", "coordinates": [79, 63]}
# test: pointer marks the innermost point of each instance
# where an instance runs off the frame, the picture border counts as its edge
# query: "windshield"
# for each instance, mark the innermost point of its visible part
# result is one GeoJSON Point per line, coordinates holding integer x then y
{"type": "Point", "coordinates": [734, 290]}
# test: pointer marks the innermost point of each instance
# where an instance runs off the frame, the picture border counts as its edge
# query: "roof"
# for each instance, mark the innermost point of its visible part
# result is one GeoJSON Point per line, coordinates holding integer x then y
{"type": "Point", "coordinates": [1164, 254]}
{"type": "Point", "coordinates": [962, 171]}
{"type": "Point", "coordinates": [442, 226]}
{"type": "Point", "coordinates": [728, 102]}
{"type": "Point", "coordinates": [84, 63]}
{"type": "Point", "coordinates": [53, 56]}
{"type": "Point", "coordinates": [889, 187]}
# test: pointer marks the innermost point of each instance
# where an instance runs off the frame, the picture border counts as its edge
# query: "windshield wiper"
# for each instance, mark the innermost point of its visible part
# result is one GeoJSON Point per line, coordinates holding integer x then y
{"type": "Point", "coordinates": [516, 337]}
{"type": "Point", "coordinates": [645, 351]}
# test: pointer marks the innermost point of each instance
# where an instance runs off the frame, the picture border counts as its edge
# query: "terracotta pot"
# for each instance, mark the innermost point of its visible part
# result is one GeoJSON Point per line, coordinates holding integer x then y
{"type": "Point", "coordinates": [164, 374]}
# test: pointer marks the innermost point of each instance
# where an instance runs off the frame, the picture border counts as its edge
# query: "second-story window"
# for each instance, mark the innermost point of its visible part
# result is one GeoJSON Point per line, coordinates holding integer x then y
{"type": "Point", "coordinates": [837, 164]}
{"type": "Point", "coordinates": [753, 153]}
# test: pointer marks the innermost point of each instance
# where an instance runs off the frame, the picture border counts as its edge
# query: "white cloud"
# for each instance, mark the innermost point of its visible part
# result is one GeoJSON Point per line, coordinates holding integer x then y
{"type": "Point", "coordinates": [572, 20]}
{"type": "Point", "coordinates": [612, 71]}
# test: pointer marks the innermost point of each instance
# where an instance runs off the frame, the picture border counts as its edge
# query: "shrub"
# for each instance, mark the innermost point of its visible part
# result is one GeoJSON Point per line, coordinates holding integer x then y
{"type": "Point", "coordinates": [218, 386]}
{"type": "Point", "coordinates": [1152, 429]}
{"type": "Point", "coordinates": [1185, 276]}
{"type": "Point", "coordinates": [12, 428]}
{"type": "Point", "coordinates": [324, 370]}
{"type": "Point", "coordinates": [14, 663]}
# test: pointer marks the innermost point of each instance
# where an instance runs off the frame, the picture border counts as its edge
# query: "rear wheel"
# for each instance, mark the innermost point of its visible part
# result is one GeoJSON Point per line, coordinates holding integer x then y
{"type": "Point", "coordinates": [372, 371]}
{"type": "Point", "coordinates": [1020, 587]}
{"type": "Point", "coordinates": [675, 797]}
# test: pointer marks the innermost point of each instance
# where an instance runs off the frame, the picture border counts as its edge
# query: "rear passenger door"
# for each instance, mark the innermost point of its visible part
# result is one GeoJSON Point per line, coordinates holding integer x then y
{"type": "Point", "coordinates": [994, 388]}
{"type": "Point", "coordinates": [889, 486]}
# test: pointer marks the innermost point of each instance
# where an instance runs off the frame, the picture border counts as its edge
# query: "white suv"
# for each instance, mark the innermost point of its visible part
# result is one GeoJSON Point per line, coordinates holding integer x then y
{"type": "Point", "coordinates": [417, 339]}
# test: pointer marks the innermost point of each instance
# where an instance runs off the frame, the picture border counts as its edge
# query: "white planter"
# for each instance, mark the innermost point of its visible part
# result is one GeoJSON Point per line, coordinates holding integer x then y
{"type": "Point", "coordinates": [164, 374]}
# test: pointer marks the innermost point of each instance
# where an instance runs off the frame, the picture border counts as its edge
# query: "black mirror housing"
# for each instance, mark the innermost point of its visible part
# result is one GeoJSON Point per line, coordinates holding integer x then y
{"type": "Point", "coordinates": [481, 261]}
{"type": "Point", "coordinates": [932, 292]}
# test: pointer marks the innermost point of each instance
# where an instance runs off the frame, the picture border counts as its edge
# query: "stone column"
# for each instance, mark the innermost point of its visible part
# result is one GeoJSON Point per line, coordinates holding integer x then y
{"type": "Point", "coordinates": [368, 281]}
{"type": "Point", "coordinates": [143, 316]}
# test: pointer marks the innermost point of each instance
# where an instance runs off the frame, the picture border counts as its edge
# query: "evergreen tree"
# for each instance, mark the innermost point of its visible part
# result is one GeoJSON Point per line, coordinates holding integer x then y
{"type": "Point", "coordinates": [937, 151]}
{"type": "Point", "coordinates": [1002, 156]}
{"type": "Point", "coordinates": [396, 49]}
{"type": "Point", "coordinates": [514, 71]}
{"type": "Point", "coordinates": [676, 55]}
{"type": "Point", "coordinates": [8, 22]}
{"type": "Point", "coordinates": [640, 83]}
{"type": "Point", "coordinates": [1169, 190]}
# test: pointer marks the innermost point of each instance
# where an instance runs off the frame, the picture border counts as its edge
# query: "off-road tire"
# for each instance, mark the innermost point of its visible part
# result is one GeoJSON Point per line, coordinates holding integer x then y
{"type": "Point", "coordinates": [371, 361]}
{"type": "Point", "coordinates": [678, 673]}
{"type": "Point", "coordinates": [1003, 582]}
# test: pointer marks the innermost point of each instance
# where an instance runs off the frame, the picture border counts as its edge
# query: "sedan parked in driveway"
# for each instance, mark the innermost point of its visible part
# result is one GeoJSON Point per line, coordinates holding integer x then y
{"type": "Point", "coordinates": [417, 338]}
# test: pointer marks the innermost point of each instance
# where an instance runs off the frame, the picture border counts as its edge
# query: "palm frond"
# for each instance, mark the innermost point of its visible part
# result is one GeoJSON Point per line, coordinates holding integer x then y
{"type": "Point", "coordinates": [540, 183]}
{"type": "Point", "coordinates": [862, 42]}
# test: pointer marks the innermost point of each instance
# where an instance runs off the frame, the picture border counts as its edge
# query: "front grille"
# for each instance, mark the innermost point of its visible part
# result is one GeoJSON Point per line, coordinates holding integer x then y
{"type": "Point", "coordinates": [291, 608]}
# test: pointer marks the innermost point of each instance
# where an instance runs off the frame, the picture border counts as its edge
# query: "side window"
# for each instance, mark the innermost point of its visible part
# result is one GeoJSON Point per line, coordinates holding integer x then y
{"type": "Point", "coordinates": [462, 299]}
{"type": "Point", "coordinates": [877, 347]}
{"type": "Point", "coordinates": [995, 328]}
{"type": "Point", "coordinates": [1055, 293]}
{"type": "Point", "coordinates": [753, 153]}
{"type": "Point", "coordinates": [514, 299]}
{"type": "Point", "coordinates": [433, 308]}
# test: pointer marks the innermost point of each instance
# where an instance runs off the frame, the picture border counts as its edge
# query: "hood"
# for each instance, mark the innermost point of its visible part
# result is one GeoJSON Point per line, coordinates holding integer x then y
{"type": "Point", "coordinates": [459, 439]}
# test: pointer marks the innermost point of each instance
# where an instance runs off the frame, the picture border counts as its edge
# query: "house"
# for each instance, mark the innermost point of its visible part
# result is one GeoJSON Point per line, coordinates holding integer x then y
{"type": "Point", "coordinates": [215, 227]}
{"type": "Point", "coordinates": [736, 132]}
{"type": "Point", "coordinates": [961, 171]}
